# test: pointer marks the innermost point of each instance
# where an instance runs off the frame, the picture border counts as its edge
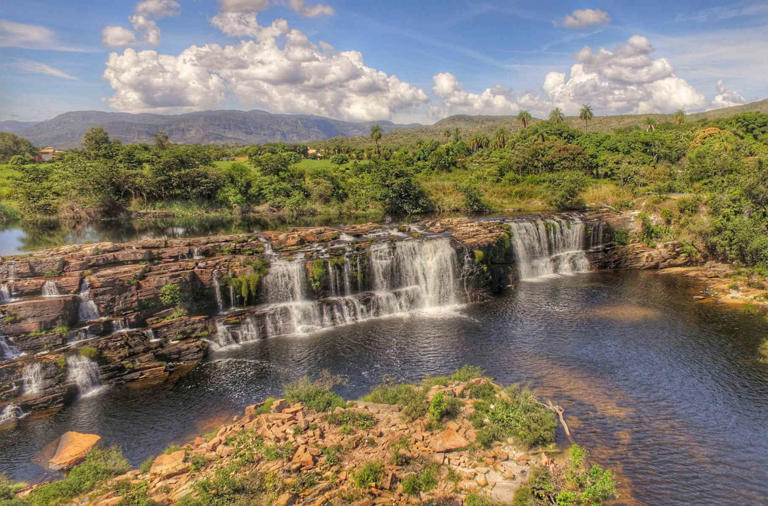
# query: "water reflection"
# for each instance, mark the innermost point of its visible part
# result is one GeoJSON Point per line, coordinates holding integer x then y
{"type": "Point", "coordinates": [664, 390]}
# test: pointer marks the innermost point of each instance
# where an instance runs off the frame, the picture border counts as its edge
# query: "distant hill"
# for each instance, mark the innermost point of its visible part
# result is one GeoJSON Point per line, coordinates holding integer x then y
{"type": "Point", "coordinates": [256, 127]}
{"type": "Point", "coordinates": [206, 127]}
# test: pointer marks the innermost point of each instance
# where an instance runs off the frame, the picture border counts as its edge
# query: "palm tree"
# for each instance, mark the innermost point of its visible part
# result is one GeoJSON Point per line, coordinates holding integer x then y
{"type": "Point", "coordinates": [376, 137]}
{"type": "Point", "coordinates": [680, 117]}
{"type": "Point", "coordinates": [524, 117]}
{"type": "Point", "coordinates": [500, 138]}
{"type": "Point", "coordinates": [650, 124]}
{"type": "Point", "coordinates": [447, 133]}
{"type": "Point", "coordinates": [556, 116]}
{"type": "Point", "coordinates": [586, 115]}
{"type": "Point", "coordinates": [456, 134]}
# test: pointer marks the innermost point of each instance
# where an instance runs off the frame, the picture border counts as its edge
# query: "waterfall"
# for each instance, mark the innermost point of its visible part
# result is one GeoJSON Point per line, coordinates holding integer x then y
{"type": "Point", "coordinates": [50, 289]}
{"type": "Point", "coordinates": [217, 292]}
{"type": "Point", "coordinates": [405, 276]}
{"type": "Point", "coordinates": [86, 310]}
{"type": "Point", "coordinates": [32, 379]}
{"type": "Point", "coordinates": [10, 413]}
{"type": "Point", "coordinates": [119, 325]}
{"type": "Point", "coordinates": [5, 293]}
{"type": "Point", "coordinates": [197, 254]}
{"type": "Point", "coordinates": [7, 350]}
{"type": "Point", "coordinates": [83, 372]}
{"type": "Point", "coordinates": [546, 247]}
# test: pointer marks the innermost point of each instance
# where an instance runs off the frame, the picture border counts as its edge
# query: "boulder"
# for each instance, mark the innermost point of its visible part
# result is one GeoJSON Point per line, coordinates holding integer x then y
{"type": "Point", "coordinates": [72, 449]}
{"type": "Point", "coordinates": [169, 465]}
{"type": "Point", "coordinates": [448, 440]}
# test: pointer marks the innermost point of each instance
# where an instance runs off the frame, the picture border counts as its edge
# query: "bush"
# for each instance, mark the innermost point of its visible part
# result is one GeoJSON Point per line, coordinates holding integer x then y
{"type": "Point", "coordinates": [443, 405]}
{"type": "Point", "coordinates": [424, 481]}
{"type": "Point", "coordinates": [170, 295]}
{"type": "Point", "coordinates": [413, 400]}
{"type": "Point", "coordinates": [621, 236]}
{"type": "Point", "coordinates": [370, 473]}
{"type": "Point", "coordinates": [99, 466]}
{"type": "Point", "coordinates": [522, 417]}
{"type": "Point", "coordinates": [89, 352]}
{"type": "Point", "coordinates": [8, 491]}
{"type": "Point", "coordinates": [468, 372]}
{"type": "Point", "coordinates": [315, 395]}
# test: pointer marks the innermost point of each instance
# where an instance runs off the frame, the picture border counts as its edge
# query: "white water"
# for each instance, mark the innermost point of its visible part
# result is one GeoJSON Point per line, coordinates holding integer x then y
{"type": "Point", "coordinates": [548, 247]}
{"type": "Point", "coordinates": [86, 310]}
{"type": "Point", "coordinates": [50, 289]}
{"type": "Point", "coordinates": [10, 413]}
{"type": "Point", "coordinates": [5, 293]}
{"type": "Point", "coordinates": [7, 350]}
{"type": "Point", "coordinates": [32, 379]}
{"type": "Point", "coordinates": [405, 276]}
{"type": "Point", "coordinates": [119, 325]}
{"type": "Point", "coordinates": [217, 292]}
{"type": "Point", "coordinates": [83, 372]}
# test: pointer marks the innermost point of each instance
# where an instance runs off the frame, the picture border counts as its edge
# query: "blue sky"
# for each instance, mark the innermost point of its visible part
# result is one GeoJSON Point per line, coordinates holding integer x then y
{"type": "Point", "coordinates": [359, 60]}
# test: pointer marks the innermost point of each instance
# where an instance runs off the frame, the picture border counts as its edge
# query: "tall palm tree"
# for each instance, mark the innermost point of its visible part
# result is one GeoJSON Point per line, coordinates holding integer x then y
{"type": "Point", "coordinates": [376, 137]}
{"type": "Point", "coordinates": [650, 124]}
{"type": "Point", "coordinates": [500, 138]}
{"type": "Point", "coordinates": [524, 117]}
{"type": "Point", "coordinates": [447, 133]}
{"type": "Point", "coordinates": [680, 117]}
{"type": "Point", "coordinates": [556, 116]}
{"type": "Point", "coordinates": [586, 115]}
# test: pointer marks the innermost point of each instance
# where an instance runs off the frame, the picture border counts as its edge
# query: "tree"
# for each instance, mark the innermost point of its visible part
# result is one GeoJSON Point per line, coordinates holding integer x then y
{"type": "Point", "coordinates": [376, 137]}
{"type": "Point", "coordinates": [96, 143]}
{"type": "Point", "coordinates": [680, 117]}
{"type": "Point", "coordinates": [12, 145]}
{"type": "Point", "coordinates": [650, 124]}
{"type": "Point", "coordinates": [161, 139]}
{"type": "Point", "coordinates": [456, 135]}
{"type": "Point", "coordinates": [500, 138]}
{"type": "Point", "coordinates": [524, 117]}
{"type": "Point", "coordinates": [586, 115]}
{"type": "Point", "coordinates": [447, 133]}
{"type": "Point", "coordinates": [556, 116]}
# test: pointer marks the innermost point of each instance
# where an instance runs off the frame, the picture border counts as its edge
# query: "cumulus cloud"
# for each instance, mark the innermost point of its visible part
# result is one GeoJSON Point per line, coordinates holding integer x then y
{"type": "Point", "coordinates": [239, 18]}
{"type": "Point", "coordinates": [35, 67]}
{"type": "Point", "coordinates": [726, 97]}
{"type": "Point", "coordinates": [143, 20]}
{"type": "Point", "coordinates": [623, 80]}
{"type": "Point", "coordinates": [583, 18]}
{"type": "Point", "coordinates": [298, 77]}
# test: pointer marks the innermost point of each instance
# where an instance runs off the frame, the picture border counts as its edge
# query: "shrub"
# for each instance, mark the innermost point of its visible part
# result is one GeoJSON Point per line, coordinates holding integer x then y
{"type": "Point", "coordinates": [315, 395]}
{"type": "Point", "coordinates": [473, 199]}
{"type": "Point", "coordinates": [621, 236]}
{"type": "Point", "coordinates": [443, 405]}
{"type": "Point", "coordinates": [170, 295]}
{"type": "Point", "coordinates": [413, 400]}
{"type": "Point", "coordinates": [89, 352]}
{"type": "Point", "coordinates": [8, 491]}
{"type": "Point", "coordinates": [565, 190]}
{"type": "Point", "coordinates": [468, 372]}
{"type": "Point", "coordinates": [146, 464]}
{"type": "Point", "coordinates": [370, 473]}
{"type": "Point", "coordinates": [424, 481]}
{"type": "Point", "coordinates": [99, 466]}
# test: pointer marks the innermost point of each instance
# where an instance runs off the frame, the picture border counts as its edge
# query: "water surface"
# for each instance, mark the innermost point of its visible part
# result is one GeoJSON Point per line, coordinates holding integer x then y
{"type": "Point", "coordinates": [665, 390]}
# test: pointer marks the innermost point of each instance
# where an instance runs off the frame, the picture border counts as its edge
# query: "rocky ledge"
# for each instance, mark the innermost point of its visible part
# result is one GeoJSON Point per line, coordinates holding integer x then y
{"type": "Point", "coordinates": [446, 441]}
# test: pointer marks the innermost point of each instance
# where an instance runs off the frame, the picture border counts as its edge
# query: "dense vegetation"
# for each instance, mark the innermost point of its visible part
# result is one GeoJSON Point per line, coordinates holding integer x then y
{"type": "Point", "coordinates": [703, 182]}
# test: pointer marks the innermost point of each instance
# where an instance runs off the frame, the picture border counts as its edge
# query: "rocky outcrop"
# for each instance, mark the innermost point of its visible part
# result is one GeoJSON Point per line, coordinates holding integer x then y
{"type": "Point", "coordinates": [145, 310]}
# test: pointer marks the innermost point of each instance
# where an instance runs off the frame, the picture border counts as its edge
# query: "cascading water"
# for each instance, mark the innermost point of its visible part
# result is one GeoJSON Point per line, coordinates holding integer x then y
{"type": "Point", "coordinates": [217, 292]}
{"type": "Point", "coordinates": [7, 350]}
{"type": "Point", "coordinates": [50, 289]}
{"type": "Point", "coordinates": [403, 276]}
{"type": "Point", "coordinates": [546, 247]}
{"type": "Point", "coordinates": [86, 309]}
{"type": "Point", "coordinates": [32, 379]}
{"type": "Point", "coordinates": [5, 293]}
{"type": "Point", "coordinates": [10, 413]}
{"type": "Point", "coordinates": [83, 372]}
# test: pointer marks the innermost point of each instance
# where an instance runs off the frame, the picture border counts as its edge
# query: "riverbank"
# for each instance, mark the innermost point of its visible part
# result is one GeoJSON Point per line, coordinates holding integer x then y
{"type": "Point", "coordinates": [460, 438]}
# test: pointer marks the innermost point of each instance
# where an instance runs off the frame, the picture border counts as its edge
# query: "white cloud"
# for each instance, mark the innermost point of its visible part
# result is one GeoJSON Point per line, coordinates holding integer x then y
{"type": "Point", "coordinates": [624, 80]}
{"type": "Point", "coordinates": [583, 18]}
{"type": "Point", "coordinates": [35, 67]}
{"type": "Point", "coordinates": [143, 21]}
{"type": "Point", "coordinates": [310, 11]}
{"type": "Point", "coordinates": [239, 18]}
{"type": "Point", "coordinates": [300, 77]}
{"type": "Point", "coordinates": [22, 35]}
{"type": "Point", "coordinates": [726, 97]}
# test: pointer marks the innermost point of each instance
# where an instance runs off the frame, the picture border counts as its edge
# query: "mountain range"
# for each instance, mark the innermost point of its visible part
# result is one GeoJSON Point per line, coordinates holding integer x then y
{"type": "Point", "coordinates": [258, 127]}
{"type": "Point", "coordinates": [205, 127]}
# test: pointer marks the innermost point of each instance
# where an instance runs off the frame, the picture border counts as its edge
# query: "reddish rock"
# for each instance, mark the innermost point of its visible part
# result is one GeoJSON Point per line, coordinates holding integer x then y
{"type": "Point", "coordinates": [72, 449]}
{"type": "Point", "coordinates": [169, 465]}
{"type": "Point", "coordinates": [448, 440]}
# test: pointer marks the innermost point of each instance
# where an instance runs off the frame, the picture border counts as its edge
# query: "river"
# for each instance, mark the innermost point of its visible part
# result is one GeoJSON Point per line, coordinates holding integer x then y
{"type": "Point", "coordinates": [665, 390]}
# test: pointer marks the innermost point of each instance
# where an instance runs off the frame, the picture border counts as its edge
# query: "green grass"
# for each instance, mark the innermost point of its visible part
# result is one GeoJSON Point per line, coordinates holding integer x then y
{"type": "Point", "coordinates": [370, 473]}
{"type": "Point", "coordinates": [99, 466]}
{"type": "Point", "coordinates": [412, 399]}
{"type": "Point", "coordinates": [315, 395]}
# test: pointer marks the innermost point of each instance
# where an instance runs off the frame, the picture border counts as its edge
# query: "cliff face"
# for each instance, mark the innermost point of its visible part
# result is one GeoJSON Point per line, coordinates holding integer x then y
{"type": "Point", "coordinates": [74, 317]}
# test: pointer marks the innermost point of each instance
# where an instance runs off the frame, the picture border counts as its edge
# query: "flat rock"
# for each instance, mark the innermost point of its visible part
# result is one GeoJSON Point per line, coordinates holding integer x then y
{"type": "Point", "coordinates": [72, 448]}
{"type": "Point", "coordinates": [169, 465]}
{"type": "Point", "coordinates": [448, 440]}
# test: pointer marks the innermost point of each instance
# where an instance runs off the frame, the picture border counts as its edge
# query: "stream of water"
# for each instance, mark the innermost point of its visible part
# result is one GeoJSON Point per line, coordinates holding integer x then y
{"type": "Point", "coordinates": [665, 390]}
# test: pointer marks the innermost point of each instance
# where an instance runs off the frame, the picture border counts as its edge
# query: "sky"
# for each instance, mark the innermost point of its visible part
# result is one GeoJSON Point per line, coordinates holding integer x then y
{"type": "Point", "coordinates": [400, 60]}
